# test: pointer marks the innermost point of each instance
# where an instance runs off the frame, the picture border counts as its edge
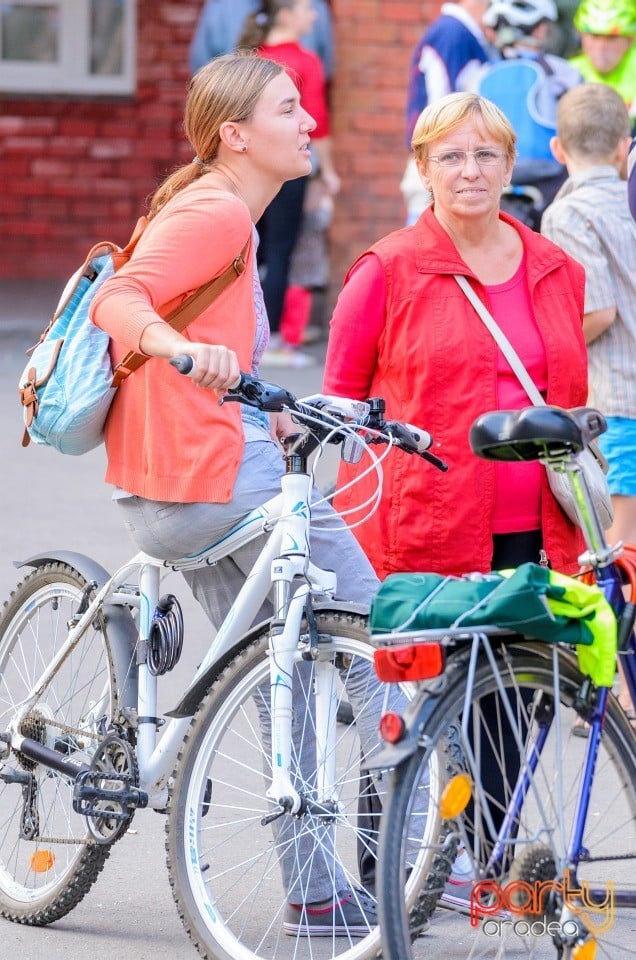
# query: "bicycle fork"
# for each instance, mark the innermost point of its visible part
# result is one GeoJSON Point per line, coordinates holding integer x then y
{"type": "Point", "coordinates": [284, 654]}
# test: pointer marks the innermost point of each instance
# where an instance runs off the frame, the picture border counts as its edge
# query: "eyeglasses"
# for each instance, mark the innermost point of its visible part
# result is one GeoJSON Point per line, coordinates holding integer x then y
{"type": "Point", "coordinates": [457, 158]}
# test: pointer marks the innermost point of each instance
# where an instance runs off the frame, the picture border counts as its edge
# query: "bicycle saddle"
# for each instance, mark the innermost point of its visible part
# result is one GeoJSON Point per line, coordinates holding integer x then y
{"type": "Point", "coordinates": [534, 432]}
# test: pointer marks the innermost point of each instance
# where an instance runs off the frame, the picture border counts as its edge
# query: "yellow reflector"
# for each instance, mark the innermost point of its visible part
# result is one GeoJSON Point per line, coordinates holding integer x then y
{"type": "Point", "coordinates": [585, 951]}
{"type": "Point", "coordinates": [42, 860]}
{"type": "Point", "coordinates": [455, 797]}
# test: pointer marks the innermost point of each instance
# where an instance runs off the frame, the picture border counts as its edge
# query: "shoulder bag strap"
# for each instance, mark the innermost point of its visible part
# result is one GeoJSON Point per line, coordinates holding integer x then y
{"type": "Point", "coordinates": [501, 339]}
{"type": "Point", "coordinates": [512, 357]}
{"type": "Point", "coordinates": [185, 313]}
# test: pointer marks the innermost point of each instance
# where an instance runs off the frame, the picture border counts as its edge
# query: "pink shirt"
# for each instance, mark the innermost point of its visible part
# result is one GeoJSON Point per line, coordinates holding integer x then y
{"type": "Point", "coordinates": [360, 311]}
{"type": "Point", "coordinates": [518, 489]}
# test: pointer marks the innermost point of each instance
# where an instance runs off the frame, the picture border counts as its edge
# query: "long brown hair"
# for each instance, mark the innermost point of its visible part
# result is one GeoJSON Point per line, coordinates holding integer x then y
{"type": "Point", "coordinates": [226, 89]}
{"type": "Point", "coordinates": [258, 24]}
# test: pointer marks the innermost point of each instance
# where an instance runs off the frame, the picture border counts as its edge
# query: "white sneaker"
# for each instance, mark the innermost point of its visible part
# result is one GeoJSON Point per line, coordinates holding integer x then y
{"type": "Point", "coordinates": [456, 894]}
{"type": "Point", "coordinates": [462, 872]}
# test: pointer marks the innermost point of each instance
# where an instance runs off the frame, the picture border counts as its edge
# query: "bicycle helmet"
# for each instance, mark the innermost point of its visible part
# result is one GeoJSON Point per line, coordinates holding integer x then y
{"type": "Point", "coordinates": [522, 15]}
{"type": "Point", "coordinates": [606, 17]}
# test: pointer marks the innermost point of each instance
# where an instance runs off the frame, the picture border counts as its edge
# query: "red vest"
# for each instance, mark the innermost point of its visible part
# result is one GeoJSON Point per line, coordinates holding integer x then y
{"type": "Point", "coordinates": [436, 369]}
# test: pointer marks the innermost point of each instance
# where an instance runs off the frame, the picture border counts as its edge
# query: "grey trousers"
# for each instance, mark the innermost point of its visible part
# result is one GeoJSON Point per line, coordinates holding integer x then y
{"type": "Point", "coordinates": [172, 530]}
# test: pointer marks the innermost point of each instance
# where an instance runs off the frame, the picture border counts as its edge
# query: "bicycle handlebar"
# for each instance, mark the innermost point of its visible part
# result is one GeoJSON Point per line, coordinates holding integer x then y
{"type": "Point", "coordinates": [272, 398]}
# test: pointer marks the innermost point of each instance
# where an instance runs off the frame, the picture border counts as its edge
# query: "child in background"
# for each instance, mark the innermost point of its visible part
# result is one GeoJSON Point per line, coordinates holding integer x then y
{"type": "Point", "coordinates": [309, 270]}
{"type": "Point", "coordinates": [590, 219]}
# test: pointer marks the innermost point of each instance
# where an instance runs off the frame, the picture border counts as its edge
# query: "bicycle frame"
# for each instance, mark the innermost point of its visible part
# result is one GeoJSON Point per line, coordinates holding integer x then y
{"type": "Point", "coordinates": [601, 558]}
{"type": "Point", "coordinates": [283, 559]}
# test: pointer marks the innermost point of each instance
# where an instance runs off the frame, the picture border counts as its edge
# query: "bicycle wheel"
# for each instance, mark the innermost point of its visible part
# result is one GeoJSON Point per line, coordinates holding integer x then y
{"type": "Point", "coordinates": [48, 861]}
{"type": "Point", "coordinates": [226, 867]}
{"type": "Point", "coordinates": [518, 924]}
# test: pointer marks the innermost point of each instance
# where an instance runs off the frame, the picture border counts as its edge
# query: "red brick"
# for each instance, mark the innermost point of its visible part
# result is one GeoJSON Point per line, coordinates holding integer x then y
{"type": "Point", "coordinates": [70, 151]}
{"type": "Point", "coordinates": [110, 149]}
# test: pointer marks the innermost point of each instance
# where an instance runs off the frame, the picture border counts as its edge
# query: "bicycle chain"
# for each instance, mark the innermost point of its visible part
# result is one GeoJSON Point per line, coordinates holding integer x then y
{"type": "Point", "coordinates": [69, 841]}
{"type": "Point", "coordinates": [78, 731]}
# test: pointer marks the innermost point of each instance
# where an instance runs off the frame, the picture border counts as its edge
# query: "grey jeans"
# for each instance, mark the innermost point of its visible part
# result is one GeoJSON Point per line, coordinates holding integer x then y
{"type": "Point", "coordinates": [173, 530]}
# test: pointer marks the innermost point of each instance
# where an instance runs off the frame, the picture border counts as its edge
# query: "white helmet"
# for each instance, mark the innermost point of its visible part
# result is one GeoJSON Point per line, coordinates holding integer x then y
{"type": "Point", "coordinates": [524, 15]}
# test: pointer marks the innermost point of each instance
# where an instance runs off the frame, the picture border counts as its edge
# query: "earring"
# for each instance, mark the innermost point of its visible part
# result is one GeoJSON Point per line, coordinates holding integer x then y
{"type": "Point", "coordinates": [244, 148]}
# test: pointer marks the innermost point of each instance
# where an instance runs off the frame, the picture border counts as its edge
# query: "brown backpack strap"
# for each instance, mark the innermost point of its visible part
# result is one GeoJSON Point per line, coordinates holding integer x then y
{"type": "Point", "coordinates": [185, 313]}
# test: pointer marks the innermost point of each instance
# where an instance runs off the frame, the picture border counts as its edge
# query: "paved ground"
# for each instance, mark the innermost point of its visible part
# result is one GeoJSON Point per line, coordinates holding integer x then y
{"type": "Point", "coordinates": [48, 501]}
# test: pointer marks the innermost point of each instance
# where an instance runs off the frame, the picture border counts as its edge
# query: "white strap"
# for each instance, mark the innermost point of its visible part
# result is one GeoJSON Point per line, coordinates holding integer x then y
{"type": "Point", "coordinates": [500, 338]}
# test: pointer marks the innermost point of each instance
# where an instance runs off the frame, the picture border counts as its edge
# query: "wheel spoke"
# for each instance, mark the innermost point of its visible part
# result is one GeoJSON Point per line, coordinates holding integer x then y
{"type": "Point", "coordinates": [42, 878]}
{"type": "Point", "coordinates": [238, 905]}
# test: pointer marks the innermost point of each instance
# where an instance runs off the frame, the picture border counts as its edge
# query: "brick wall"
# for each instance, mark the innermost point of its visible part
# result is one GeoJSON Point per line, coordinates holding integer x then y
{"type": "Point", "coordinates": [78, 170]}
{"type": "Point", "coordinates": [375, 40]}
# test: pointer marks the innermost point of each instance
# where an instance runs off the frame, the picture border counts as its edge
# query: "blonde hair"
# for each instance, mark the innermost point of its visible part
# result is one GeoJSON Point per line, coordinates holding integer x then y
{"type": "Point", "coordinates": [450, 112]}
{"type": "Point", "coordinates": [592, 119]}
{"type": "Point", "coordinates": [226, 89]}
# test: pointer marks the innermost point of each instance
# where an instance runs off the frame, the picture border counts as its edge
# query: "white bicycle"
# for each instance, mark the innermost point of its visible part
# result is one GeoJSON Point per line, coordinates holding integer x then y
{"type": "Point", "coordinates": [261, 785]}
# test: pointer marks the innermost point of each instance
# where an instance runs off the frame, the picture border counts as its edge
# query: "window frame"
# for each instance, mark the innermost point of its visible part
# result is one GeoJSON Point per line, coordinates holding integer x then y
{"type": "Point", "coordinates": [70, 74]}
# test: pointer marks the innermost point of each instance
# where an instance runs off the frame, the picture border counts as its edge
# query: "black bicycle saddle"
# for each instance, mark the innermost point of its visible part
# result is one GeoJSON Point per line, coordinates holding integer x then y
{"type": "Point", "coordinates": [534, 432]}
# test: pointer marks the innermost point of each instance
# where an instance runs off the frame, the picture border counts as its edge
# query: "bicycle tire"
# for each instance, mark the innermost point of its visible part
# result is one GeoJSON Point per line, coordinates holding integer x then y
{"type": "Point", "coordinates": [43, 879]}
{"type": "Point", "coordinates": [545, 819]}
{"type": "Point", "coordinates": [234, 908]}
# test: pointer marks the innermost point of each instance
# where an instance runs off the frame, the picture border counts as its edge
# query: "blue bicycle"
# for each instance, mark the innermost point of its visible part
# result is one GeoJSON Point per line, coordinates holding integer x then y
{"type": "Point", "coordinates": [538, 763]}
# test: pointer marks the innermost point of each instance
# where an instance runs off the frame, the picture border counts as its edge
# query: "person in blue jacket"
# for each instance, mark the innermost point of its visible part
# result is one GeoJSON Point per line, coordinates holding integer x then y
{"type": "Point", "coordinates": [446, 57]}
{"type": "Point", "coordinates": [221, 24]}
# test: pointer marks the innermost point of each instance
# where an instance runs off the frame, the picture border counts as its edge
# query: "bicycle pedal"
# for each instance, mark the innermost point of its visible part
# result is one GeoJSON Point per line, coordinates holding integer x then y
{"type": "Point", "coordinates": [91, 789]}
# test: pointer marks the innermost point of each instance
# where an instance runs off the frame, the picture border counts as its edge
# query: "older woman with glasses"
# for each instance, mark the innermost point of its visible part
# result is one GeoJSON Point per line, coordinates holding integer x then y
{"type": "Point", "coordinates": [403, 329]}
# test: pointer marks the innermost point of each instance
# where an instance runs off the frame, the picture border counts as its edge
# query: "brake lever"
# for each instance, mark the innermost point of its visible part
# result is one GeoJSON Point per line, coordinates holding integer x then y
{"type": "Point", "coordinates": [435, 461]}
{"type": "Point", "coordinates": [412, 440]}
{"type": "Point", "coordinates": [268, 397]}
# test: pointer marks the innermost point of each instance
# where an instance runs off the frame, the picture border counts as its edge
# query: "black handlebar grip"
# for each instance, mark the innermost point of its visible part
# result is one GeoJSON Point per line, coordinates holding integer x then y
{"type": "Point", "coordinates": [183, 363]}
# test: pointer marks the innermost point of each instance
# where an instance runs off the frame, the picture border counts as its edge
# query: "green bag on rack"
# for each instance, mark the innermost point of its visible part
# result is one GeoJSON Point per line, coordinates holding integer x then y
{"type": "Point", "coordinates": [531, 600]}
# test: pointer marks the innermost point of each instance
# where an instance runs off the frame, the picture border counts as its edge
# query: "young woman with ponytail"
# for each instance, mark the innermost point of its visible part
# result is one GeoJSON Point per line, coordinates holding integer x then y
{"type": "Point", "coordinates": [185, 469]}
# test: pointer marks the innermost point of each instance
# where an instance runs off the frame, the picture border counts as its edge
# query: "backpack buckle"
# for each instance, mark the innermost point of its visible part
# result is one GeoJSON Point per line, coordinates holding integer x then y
{"type": "Point", "coordinates": [29, 398]}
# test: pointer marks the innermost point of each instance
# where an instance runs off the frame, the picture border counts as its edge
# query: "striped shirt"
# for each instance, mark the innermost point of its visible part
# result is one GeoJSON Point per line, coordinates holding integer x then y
{"type": "Point", "coordinates": [590, 219]}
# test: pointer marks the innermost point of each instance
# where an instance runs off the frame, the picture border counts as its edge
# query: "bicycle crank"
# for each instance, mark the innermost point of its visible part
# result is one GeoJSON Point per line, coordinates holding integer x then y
{"type": "Point", "coordinates": [107, 793]}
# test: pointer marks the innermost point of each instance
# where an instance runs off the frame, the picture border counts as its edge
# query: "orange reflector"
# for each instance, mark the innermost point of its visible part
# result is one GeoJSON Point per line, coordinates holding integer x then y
{"type": "Point", "coordinates": [455, 797]}
{"type": "Point", "coordinates": [42, 860]}
{"type": "Point", "coordinates": [585, 951]}
{"type": "Point", "coordinates": [392, 727]}
{"type": "Point", "coordinates": [417, 661]}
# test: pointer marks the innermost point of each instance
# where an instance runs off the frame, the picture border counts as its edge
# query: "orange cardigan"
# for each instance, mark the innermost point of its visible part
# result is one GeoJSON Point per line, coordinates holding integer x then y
{"type": "Point", "coordinates": [166, 439]}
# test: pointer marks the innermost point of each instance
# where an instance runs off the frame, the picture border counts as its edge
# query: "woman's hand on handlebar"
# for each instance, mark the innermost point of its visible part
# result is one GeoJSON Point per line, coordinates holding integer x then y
{"type": "Point", "coordinates": [215, 366]}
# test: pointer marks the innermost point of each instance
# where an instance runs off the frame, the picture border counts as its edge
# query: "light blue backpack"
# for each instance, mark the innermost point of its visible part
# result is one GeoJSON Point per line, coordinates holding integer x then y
{"type": "Point", "coordinates": [69, 383]}
{"type": "Point", "coordinates": [66, 387]}
{"type": "Point", "coordinates": [516, 86]}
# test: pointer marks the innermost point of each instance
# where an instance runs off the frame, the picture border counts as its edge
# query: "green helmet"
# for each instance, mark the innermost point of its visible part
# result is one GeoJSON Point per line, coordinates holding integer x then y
{"type": "Point", "coordinates": [607, 17]}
